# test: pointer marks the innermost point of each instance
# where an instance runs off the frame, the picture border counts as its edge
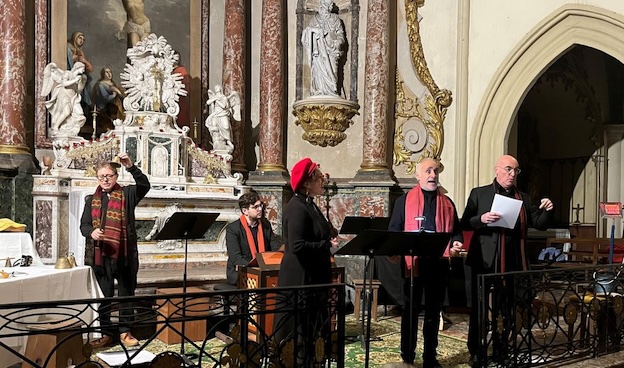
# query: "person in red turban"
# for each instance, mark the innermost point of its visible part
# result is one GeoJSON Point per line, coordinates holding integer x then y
{"type": "Point", "coordinates": [308, 239]}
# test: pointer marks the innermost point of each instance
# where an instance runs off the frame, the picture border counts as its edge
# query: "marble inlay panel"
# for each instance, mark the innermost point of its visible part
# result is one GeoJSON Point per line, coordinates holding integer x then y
{"type": "Point", "coordinates": [23, 200]}
{"type": "Point", "coordinates": [372, 206]}
{"type": "Point", "coordinates": [62, 226]}
{"type": "Point", "coordinates": [43, 228]}
{"type": "Point", "coordinates": [41, 59]}
{"type": "Point", "coordinates": [6, 194]}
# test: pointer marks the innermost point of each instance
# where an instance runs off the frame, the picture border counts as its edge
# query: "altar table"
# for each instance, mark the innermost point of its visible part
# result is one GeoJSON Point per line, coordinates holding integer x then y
{"type": "Point", "coordinates": [44, 283]}
{"type": "Point", "coordinates": [15, 245]}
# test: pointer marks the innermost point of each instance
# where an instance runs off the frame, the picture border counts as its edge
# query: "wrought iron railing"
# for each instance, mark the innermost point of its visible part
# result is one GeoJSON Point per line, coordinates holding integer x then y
{"type": "Point", "coordinates": [553, 315]}
{"type": "Point", "coordinates": [272, 327]}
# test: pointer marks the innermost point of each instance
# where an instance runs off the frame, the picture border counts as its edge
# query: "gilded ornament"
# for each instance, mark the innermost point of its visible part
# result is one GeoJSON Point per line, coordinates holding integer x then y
{"type": "Point", "coordinates": [431, 115]}
{"type": "Point", "coordinates": [570, 313]}
{"type": "Point", "coordinates": [324, 120]}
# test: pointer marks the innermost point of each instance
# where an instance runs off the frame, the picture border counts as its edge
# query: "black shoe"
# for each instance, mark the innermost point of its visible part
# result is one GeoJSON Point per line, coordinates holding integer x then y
{"type": "Point", "coordinates": [431, 363]}
{"type": "Point", "coordinates": [474, 362]}
{"type": "Point", "coordinates": [407, 359]}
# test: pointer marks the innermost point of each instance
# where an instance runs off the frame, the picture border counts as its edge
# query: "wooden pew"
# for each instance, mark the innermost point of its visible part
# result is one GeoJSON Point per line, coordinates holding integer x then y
{"type": "Point", "coordinates": [588, 250]}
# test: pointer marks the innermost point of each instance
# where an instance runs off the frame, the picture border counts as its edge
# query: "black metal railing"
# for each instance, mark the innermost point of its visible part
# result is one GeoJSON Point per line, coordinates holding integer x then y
{"type": "Point", "coordinates": [554, 315]}
{"type": "Point", "coordinates": [272, 327]}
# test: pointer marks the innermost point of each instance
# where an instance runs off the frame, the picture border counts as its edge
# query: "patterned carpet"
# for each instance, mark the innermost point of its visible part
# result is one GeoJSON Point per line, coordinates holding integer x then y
{"type": "Point", "coordinates": [384, 346]}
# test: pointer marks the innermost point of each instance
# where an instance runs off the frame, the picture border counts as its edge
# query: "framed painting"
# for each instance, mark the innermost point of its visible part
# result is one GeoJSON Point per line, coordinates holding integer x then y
{"type": "Point", "coordinates": [108, 28]}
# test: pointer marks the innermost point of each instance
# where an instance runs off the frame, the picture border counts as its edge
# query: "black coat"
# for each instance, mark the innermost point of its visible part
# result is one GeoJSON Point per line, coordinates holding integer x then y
{"type": "Point", "coordinates": [238, 246]}
{"type": "Point", "coordinates": [307, 256]}
{"type": "Point", "coordinates": [484, 244]}
{"type": "Point", "coordinates": [133, 195]}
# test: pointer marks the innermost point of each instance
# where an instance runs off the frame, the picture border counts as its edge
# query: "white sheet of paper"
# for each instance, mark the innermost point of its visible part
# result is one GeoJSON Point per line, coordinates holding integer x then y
{"type": "Point", "coordinates": [509, 208]}
{"type": "Point", "coordinates": [117, 358]}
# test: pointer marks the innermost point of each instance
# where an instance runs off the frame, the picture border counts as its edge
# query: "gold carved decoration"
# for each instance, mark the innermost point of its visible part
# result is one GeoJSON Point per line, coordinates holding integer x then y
{"type": "Point", "coordinates": [425, 124]}
{"type": "Point", "coordinates": [324, 120]}
{"type": "Point", "coordinates": [214, 164]}
{"type": "Point", "coordinates": [93, 152]}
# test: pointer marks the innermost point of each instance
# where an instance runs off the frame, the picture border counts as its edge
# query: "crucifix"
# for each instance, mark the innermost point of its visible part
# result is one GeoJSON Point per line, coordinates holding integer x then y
{"type": "Point", "coordinates": [577, 209]}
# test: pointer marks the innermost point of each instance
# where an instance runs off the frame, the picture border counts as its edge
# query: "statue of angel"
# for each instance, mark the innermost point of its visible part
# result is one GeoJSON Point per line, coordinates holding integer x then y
{"type": "Point", "coordinates": [218, 122]}
{"type": "Point", "coordinates": [65, 87]}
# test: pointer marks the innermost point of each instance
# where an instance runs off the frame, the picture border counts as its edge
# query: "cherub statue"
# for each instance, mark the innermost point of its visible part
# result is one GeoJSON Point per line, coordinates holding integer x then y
{"type": "Point", "coordinates": [218, 122]}
{"type": "Point", "coordinates": [65, 87]}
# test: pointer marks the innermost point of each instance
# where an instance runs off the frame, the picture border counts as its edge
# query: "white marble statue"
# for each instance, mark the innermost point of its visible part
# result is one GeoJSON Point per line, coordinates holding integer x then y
{"type": "Point", "coordinates": [222, 109]}
{"type": "Point", "coordinates": [324, 40]}
{"type": "Point", "coordinates": [149, 80]}
{"type": "Point", "coordinates": [161, 219]}
{"type": "Point", "coordinates": [64, 87]}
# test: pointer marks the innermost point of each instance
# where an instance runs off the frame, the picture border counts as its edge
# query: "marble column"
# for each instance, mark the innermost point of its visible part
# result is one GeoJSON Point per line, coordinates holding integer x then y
{"type": "Point", "coordinates": [13, 77]}
{"type": "Point", "coordinates": [376, 93]}
{"type": "Point", "coordinates": [41, 59]}
{"type": "Point", "coordinates": [16, 162]}
{"type": "Point", "coordinates": [272, 68]}
{"type": "Point", "coordinates": [234, 44]}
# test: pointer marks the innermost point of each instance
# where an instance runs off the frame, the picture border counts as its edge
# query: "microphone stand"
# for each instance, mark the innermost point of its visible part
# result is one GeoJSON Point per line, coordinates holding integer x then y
{"type": "Point", "coordinates": [411, 293]}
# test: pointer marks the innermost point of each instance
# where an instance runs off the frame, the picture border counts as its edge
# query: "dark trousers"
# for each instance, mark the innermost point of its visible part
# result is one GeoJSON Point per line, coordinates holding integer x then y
{"type": "Point", "coordinates": [432, 282]}
{"type": "Point", "coordinates": [126, 276]}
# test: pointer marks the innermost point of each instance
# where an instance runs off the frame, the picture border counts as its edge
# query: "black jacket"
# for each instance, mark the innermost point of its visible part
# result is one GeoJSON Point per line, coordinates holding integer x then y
{"type": "Point", "coordinates": [238, 246]}
{"type": "Point", "coordinates": [133, 195]}
{"type": "Point", "coordinates": [484, 244]}
{"type": "Point", "coordinates": [307, 256]}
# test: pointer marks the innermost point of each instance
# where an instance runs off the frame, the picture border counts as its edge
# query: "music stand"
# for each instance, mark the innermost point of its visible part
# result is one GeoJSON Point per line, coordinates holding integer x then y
{"type": "Point", "coordinates": [353, 225]}
{"type": "Point", "coordinates": [185, 226]}
{"type": "Point", "coordinates": [394, 243]}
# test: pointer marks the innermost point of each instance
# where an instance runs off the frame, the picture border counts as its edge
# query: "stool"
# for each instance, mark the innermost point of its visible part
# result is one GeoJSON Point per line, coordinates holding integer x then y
{"type": "Point", "coordinates": [359, 289]}
{"type": "Point", "coordinates": [39, 347]}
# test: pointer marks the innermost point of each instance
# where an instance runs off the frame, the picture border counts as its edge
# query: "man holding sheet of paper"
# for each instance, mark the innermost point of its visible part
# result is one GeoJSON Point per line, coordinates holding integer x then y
{"type": "Point", "coordinates": [499, 214]}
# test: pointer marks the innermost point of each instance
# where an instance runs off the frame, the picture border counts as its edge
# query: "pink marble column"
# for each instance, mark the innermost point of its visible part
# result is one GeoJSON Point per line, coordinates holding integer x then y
{"type": "Point", "coordinates": [234, 72]}
{"type": "Point", "coordinates": [12, 77]}
{"type": "Point", "coordinates": [41, 59]}
{"type": "Point", "coordinates": [376, 87]}
{"type": "Point", "coordinates": [272, 87]}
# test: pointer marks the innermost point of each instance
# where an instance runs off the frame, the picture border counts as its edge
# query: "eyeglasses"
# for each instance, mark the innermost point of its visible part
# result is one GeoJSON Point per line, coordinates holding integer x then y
{"type": "Point", "coordinates": [257, 206]}
{"type": "Point", "coordinates": [509, 169]}
{"type": "Point", "coordinates": [106, 177]}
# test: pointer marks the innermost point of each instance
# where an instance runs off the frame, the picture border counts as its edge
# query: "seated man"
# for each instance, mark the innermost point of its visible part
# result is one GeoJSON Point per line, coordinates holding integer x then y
{"type": "Point", "coordinates": [247, 236]}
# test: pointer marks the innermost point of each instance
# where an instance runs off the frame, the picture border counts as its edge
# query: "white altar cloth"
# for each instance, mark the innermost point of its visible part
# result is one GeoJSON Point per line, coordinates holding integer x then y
{"type": "Point", "coordinates": [44, 283]}
{"type": "Point", "coordinates": [15, 245]}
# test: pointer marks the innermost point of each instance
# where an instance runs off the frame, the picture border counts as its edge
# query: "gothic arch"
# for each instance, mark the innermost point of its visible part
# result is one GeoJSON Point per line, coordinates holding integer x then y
{"type": "Point", "coordinates": [568, 26]}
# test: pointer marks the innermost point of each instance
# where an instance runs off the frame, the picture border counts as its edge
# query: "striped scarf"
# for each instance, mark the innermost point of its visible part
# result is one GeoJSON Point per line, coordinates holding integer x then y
{"type": "Point", "coordinates": [113, 222]}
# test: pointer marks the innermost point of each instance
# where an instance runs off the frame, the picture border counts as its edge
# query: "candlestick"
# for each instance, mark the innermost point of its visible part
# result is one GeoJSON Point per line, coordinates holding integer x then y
{"type": "Point", "coordinates": [94, 113]}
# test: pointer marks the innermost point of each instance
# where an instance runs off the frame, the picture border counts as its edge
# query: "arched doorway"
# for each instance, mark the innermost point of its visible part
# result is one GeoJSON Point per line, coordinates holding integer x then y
{"type": "Point", "coordinates": [568, 35]}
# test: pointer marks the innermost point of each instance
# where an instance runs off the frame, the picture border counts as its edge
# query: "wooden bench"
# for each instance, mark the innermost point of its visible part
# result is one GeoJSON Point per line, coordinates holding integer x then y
{"type": "Point", "coordinates": [358, 284]}
{"type": "Point", "coordinates": [587, 250]}
{"type": "Point", "coordinates": [58, 343]}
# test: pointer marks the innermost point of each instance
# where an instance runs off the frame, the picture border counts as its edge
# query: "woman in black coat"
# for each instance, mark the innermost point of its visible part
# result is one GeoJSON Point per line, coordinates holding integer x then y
{"type": "Point", "coordinates": [308, 238]}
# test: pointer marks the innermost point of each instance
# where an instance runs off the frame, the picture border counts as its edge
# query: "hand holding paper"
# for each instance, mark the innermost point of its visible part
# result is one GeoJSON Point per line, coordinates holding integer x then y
{"type": "Point", "coordinates": [508, 208]}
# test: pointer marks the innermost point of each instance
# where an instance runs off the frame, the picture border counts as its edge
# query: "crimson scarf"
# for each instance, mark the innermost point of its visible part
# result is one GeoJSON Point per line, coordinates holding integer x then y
{"type": "Point", "coordinates": [113, 222]}
{"type": "Point", "coordinates": [250, 238]}
{"type": "Point", "coordinates": [414, 207]}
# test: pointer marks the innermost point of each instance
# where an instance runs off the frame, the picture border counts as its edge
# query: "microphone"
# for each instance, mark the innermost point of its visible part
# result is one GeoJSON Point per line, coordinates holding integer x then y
{"type": "Point", "coordinates": [422, 222]}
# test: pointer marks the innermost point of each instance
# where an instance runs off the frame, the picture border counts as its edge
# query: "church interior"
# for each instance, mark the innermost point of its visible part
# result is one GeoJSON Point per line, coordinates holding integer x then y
{"type": "Point", "coordinates": [244, 97]}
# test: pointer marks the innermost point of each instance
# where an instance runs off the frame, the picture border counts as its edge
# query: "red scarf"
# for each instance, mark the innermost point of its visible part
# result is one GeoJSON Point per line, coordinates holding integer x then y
{"type": "Point", "coordinates": [250, 238]}
{"type": "Point", "coordinates": [113, 222]}
{"type": "Point", "coordinates": [414, 207]}
{"type": "Point", "coordinates": [523, 231]}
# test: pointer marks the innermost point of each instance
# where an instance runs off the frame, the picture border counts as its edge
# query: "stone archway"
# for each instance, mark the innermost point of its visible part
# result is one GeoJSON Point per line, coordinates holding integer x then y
{"type": "Point", "coordinates": [568, 26]}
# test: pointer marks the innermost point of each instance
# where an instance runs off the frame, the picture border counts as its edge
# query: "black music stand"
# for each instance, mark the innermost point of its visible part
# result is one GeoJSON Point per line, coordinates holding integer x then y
{"type": "Point", "coordinates": [354, 225]}
{"type": "Point", "coordinates": [394, 243]}
{"type": "Point", "coordinates": [185, 226]}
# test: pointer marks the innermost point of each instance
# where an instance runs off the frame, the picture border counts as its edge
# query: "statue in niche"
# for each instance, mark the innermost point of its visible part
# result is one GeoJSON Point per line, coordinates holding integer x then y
{"type": "Point", "coordinates": [161, 219]}
{"type": "Point", "coordinates": [222, 109]}
{"type": "Point", "coordinates": [324, 40]}
{"type": "Point", "coordinates": [137, 25]}
{"type": "Point", "coordinates": [159, 161]}
{"type": "Point", "coordinates": [65, 87]}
